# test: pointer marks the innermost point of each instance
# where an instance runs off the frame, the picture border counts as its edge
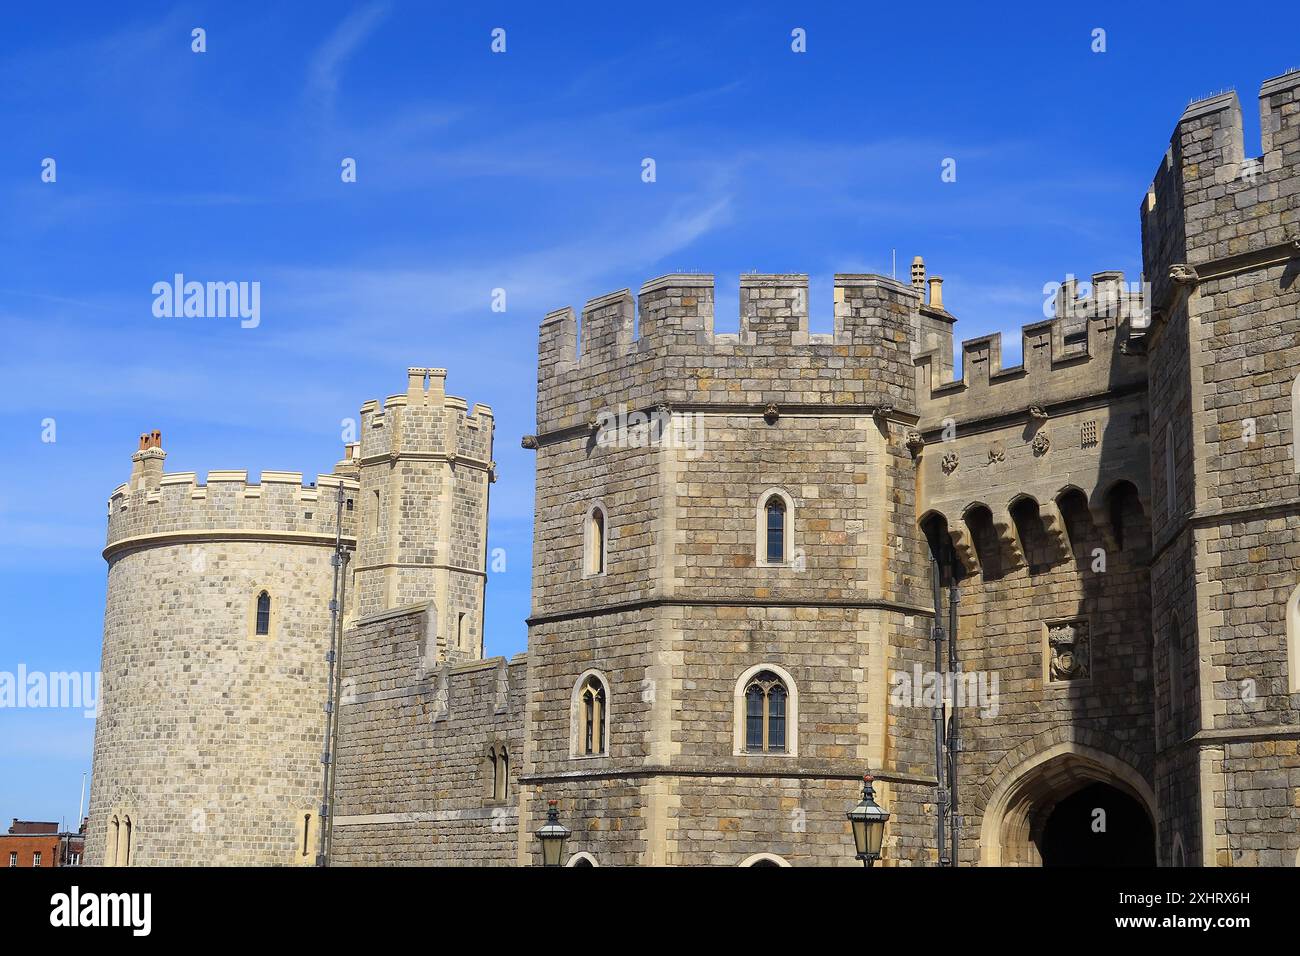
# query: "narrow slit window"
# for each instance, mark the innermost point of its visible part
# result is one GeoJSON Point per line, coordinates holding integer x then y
{"type": "Point", "coordinates": [775, 530]}
{"type": "Point", "coordinates": [263, 627]}
{"type": "Point", "coordinates": [596, 541]}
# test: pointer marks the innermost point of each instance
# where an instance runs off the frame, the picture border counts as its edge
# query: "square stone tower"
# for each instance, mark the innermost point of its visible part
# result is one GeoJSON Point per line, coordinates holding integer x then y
{"type": "Point", "coordinates": [1221, 240]}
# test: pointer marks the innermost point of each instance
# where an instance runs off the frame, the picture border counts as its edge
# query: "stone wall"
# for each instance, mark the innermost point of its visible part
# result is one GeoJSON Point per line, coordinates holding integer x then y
{"type": "Point", "coordinates": [412, 779]}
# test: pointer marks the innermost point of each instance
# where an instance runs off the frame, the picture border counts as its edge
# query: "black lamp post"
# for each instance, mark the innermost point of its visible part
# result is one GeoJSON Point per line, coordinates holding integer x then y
{"type": "Point", "coordinates": [868, 820]}
{"type": "Point", "coordinates": [552, 834]}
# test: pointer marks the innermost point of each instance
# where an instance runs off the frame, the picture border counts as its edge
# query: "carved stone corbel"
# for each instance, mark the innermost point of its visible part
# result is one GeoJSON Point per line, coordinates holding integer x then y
{"type": "Point", "coordinates": [963, 546]}
{"type": "Point", "coordinates": [1008, 539]}
{"type": "Point", "coordinates": [771, 413]}
{"type": "Point", "coordinates": [528, 441]}
{"type": "Point", "coordinates": [1054, 527]}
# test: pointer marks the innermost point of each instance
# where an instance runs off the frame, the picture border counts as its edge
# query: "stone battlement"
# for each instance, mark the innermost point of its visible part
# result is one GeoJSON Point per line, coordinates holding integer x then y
{"type": "Point", "coordinates": [1209, 201]}
{"type": "Point", "coordinates": [425, 419]}
{"type": "Point", "coordinates": [228, 504]}
{"type": "Point", "coordinates": [1093, 345]}
{"type": "Point", "coordinates": [661, 347]}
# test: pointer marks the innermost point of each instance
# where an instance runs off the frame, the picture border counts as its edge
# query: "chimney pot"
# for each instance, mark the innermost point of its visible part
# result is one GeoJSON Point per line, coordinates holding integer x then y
{"type": "Point", "coordinates": [936, 292]}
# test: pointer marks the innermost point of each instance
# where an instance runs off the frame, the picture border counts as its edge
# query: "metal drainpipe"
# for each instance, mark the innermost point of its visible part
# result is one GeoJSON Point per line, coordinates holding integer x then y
{"type": "Point", "coordinates": [954, 730]}
{"type": "Point", "coordinates": [940, 794]}
{"type": "Point", "coordinates": [339, 562]}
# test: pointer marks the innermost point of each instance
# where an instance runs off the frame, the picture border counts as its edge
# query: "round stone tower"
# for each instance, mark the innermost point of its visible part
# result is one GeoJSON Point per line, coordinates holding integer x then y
{"type": "Point", "coordinates": [210, 732]}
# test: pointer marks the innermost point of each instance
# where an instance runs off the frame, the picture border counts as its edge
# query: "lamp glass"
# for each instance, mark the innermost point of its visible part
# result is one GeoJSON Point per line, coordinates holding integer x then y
{"type": "Point", "coordinates": [552, 848]}
{"type": "Point", "coordinates": [875, 834]}
{"type": "Point", "coordinates": [859, 833]}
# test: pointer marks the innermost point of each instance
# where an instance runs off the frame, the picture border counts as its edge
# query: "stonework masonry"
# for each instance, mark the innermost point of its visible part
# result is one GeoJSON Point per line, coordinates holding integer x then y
{"type": "Point", "coordinates": [208, 740]}
{"type": "Point", "coordinates": [717, 515]}
{"type": "Point", "coordinates": [211, 730]}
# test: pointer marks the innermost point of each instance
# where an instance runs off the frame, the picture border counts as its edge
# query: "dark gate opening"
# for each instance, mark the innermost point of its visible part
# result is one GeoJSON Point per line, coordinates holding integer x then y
{"type": "Point", "coordinates": [1076, 834]}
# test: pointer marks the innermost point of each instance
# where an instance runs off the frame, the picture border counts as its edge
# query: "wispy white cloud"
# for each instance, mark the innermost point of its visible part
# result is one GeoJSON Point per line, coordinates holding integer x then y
{"type": "Point", "coordinates": [326, 67]}
{"type": "Point", "coordinates": [390, 303]}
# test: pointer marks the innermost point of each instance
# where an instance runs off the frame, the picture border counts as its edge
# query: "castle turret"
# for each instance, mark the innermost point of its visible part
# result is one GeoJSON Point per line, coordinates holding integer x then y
{"type": "Point", "coordinates": [209, 732]}
{"type": "Point", "coordinates": [425, 465]}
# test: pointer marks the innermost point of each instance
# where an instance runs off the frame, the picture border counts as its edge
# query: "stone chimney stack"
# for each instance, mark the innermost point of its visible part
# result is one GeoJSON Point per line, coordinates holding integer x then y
{"type": "Point", "coordinates": [350, 464]}
{"type": "Point", "coordinates": [147, 462]}
{"type": "Point", "coordinates": [918, 277]}
{"type": "Point", "coordinates": [936, 292]}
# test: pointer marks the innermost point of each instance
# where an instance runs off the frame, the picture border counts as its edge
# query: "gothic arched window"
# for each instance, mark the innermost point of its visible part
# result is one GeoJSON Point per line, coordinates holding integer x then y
{"type": "Point", "coordinates": [774, 530]}
{"type": "Point", "coordinates": [589, 737]}
{"type": "Point", "coordinates": [496, 772]}
{"type": "Point", "coordinates": [765, 713]}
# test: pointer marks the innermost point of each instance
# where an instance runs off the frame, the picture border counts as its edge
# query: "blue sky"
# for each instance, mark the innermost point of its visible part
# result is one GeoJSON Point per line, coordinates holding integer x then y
{"type": "Point", "coordinates": [521, 171]}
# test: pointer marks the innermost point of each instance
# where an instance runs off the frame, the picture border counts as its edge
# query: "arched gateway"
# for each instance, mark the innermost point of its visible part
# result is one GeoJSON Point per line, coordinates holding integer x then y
{"type": "Point", "coordinates": [1046, 812]}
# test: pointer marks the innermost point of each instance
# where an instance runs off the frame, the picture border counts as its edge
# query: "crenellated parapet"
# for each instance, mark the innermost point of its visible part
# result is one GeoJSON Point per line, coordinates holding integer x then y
{"type": "Point", "coordinates": [1092, 346]}
{"type": "Point", "coordinates": [426, 420]}
{"type": "Point", "coordinates": [1213, 209]}
{"type": "Point", "coordinates": [228, 505]}
{"type": "Point", "coordinates": [660, 347]}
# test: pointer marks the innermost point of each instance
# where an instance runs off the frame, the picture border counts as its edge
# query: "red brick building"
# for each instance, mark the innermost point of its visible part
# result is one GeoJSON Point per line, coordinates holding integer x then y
{"type": "Point", "coordinates": [32, 843]}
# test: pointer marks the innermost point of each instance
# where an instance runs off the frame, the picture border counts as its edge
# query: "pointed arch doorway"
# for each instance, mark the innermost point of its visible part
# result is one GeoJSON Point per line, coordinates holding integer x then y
{"type": "Point", "coordinates": [1071, 805]}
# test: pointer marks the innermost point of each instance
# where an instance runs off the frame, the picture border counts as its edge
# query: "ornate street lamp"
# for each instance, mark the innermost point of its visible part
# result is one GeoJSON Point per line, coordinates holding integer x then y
{"type": "Point", "coordinates": [868, 820]}
{"type": "Point", "coordinates": [552, 834]}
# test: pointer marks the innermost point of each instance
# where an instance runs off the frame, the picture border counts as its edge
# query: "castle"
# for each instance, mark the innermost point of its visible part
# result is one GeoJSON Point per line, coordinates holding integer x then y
{"type": "Point", "coordinates": [738, 544]}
